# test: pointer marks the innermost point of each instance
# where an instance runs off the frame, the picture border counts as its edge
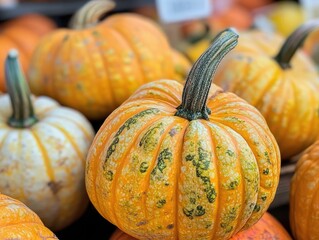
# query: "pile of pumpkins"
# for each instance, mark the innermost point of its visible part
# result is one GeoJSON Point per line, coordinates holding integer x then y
{"type": "Point", "coordinates": [174, 159]}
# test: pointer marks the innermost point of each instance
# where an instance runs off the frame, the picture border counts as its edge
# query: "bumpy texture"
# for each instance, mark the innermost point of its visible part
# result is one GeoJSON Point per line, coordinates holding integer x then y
{"type": "Point", "coordinates": [267, 228]}
{"type": "Point", "coordinates": [18, 222]}
{"type": "Point", "coordinates": [96, 69]}
{"type": "Point", "coordinates": [288, 99]}
{"type": "Point", "coordinates": [43, 166]}
{"type": "Point", "coordinates": [304, 196]}
{"type": "Point", "coordinates": [159, 176]}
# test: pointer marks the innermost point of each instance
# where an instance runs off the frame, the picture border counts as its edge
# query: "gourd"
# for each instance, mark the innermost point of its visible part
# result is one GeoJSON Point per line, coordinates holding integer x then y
{"type": "Point", "coordinates": [184, 163]}
{"type": "Point", "coordinates": [181, 65]}
{"type": "Point", "coordinates": [95, 66]}
{"type": "Point", "coordinates": [267, 228]}
{"type": "Point", "coordinates": [19, 222]}
{"type": "Point", "coordinates": [22, 33]}
{"type": "Point", "coordinates": [283, 86]}
{"type": "Point", "coordinates": [304, 195]}
{"type": "Point", "coordinates": [43, 147]}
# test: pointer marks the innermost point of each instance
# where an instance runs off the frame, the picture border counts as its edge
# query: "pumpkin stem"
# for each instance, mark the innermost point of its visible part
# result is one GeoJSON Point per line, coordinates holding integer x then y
{"type": "Point", "coordinates": [90, 14]}
{"type": "Point", "coordinates": [199, 79]}
{"type": "Point", "coordinates": [293, 42]}
{"type": "Point", "coordinates": [22, 110]}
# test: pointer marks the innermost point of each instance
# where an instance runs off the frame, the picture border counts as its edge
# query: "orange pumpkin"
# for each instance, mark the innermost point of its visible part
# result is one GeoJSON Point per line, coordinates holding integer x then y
{"type": "Point", "coordinates": [304, 196]}
{"type": "Point", "coordinates": [267, 228]}
{"type": "Point", "coordinates": [42, 152]}
{"type": "Point", "coordinates": [22, 33]}
{"type": "Point", "coordinates": [94, 67]}
{"type": "Point", "coordinates": [37, 23]}
{"type": "Point", "coordinates": [166, 165]}
{"type": "Point", "coordinates": [181, 64]}
{"type": "Point", "coordinates": [17, 221]}
{"type": "Point", "coordinates": [284, 89]}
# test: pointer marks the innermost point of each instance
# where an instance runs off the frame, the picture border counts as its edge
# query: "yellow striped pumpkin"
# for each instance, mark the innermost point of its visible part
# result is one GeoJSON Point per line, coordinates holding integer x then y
{"type": "Point", "coordinates": [166, 165]}
{"type": "Point", "coordinates": [43, 147]}
{"type": "Point", "coordinates": [283, 86]}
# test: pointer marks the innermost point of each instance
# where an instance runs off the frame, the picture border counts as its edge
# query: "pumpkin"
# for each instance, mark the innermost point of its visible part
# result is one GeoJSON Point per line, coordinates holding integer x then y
{"type": "Point", "coordinates": [166, 165]}
{"type": "Point", "coordinates": [19, 222]}
{"type": "Point", "coordinates": [284, 87]}
{"type": "Point", "coordinates": [304, 195]}
{"type": "Point", "coordinates": [22, 33]}
{"type": "Point", "coordinates": [94, 67]}
{"type": "Point", "coordinates": [42, 152]}
{"type": "Point", "coordinates": [182, 65]}
{"type": "Point", "coordinates": [37, 23]}
{"type": "Point", "coordinates": [253, 4]}
{"type": "Point", "coordinates": [267, 228]}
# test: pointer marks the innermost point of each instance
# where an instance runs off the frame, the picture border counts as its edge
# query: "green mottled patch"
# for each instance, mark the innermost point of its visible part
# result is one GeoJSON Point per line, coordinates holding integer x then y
{"type": "Point", "coordinates": [189, 157]}
{"type": "Point", "coordinates": [188, 212]}
{"type": "Point", "coordinates": [264, 198]}
{"type": "Point", "coordinates": [127, 125]}
{"type": "Point", "coordinates": [165, 155]}
{"type": "Point", "coordinates": [266, 171]}
{"type": "Point", "coordinates": [202, 163]}
{"type": "Point", "coordinates": [161, 203]}
{"type": "Point", "coordinates": [211, 193]}
{"type": "Point", "coordinates": [79, 86]}
{"type": "Point", "coordinates": [66, 37]}
{"type": "Point", "coordinates": [149, 141]}
{"type": "Point", "coordinates": [143, 167]}
{"type": "Point", "coordinates": [109, 175]}
{"type": "Point", "coordinates": [230, 153]}
{"type": "Point", "coordinates": [96, 33]}
{"type": "Point", "coordinates": [192, 200]}
{"type": "Point", "coordinates": [228, 218]}
{"type": "Point", "coordinates": [267, 157]}
{"type": "Point", "coordinates": [199, 211]}
{"type": "Point", "coordinates": [233, 185]}
{"type": "Point", "coordinates": [256, 208]}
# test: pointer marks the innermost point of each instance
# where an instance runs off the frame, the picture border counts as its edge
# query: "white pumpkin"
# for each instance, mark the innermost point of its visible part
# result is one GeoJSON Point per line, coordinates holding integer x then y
{"type": "Point", "coordinates": [43, 148]}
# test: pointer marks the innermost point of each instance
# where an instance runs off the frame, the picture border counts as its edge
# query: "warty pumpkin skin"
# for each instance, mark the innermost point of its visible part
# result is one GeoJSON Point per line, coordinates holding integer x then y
{"type": "Point", "coordinates": [95, 67]}
{"type": "Point", "coordinates": [43, 147]}
{"type": "Point", "coordinates": [164, 166]}
{"type": "Point", "coordinates": [304, 196]}
{"type": "Point", "coordinates": [267, 228]}
{"type": "Point", "coordinates": [17, 221]}
{"type": "Point", "coordinates": [284, 90]}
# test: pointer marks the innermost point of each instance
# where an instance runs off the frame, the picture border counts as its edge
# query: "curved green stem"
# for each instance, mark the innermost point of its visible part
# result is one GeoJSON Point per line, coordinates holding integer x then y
{"type": "Point", "coordinates": [293, 42]}
{"type": "Point", "coordinates": [90, 14]}
{"type": "Point", "coordinates": [22, 110]}
{"type": "Point", "coordinates": [199, 80]}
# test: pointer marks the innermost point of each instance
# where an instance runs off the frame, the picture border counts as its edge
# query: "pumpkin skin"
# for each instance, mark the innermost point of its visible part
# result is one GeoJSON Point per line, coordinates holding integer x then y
{"type": "Point", "coordinates": [22, 33]}
{"type": "Point", "coordinates": [42, 164]}
{"type": "Point", "coordinates": [287, 98]}
{"type": "Point", "coordinates": [19, 222]}
{"type": "Point", "coordinates": [38, 23]}
{"type": "Point", "coordinates": [95, 69]}
{"type": "Point", "coordinates": [181, 64]}
{"type": "Point", "coordinates": [304, 195]}
{"type": "Point", "coordinates": [266, 228]}
{"type": "Point", "coordinates": [160, 176]}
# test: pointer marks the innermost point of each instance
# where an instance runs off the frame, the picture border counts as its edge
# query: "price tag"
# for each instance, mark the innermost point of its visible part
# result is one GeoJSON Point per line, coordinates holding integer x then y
{"type": "Point", "coordinates": [181, 10]}
{"type": "Point", "coordinates": [311, 8]}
